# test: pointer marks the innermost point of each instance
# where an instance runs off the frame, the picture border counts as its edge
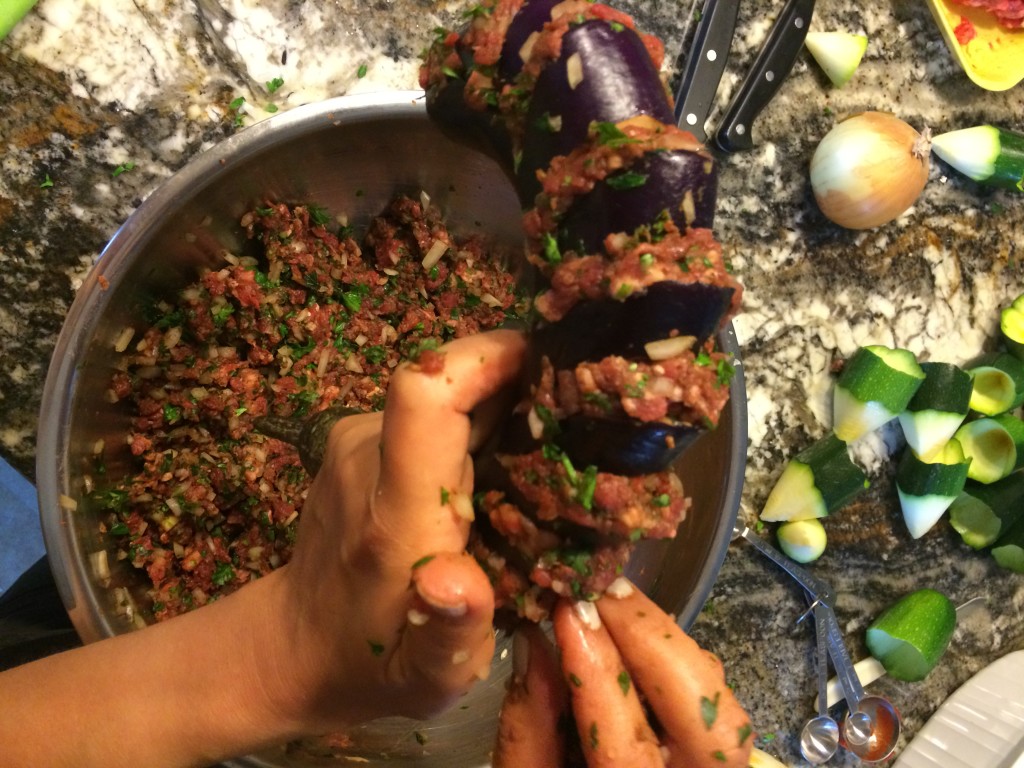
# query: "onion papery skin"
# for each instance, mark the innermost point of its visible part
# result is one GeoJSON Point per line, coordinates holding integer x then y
{"type": "Point", "coordinates": [868, 170]}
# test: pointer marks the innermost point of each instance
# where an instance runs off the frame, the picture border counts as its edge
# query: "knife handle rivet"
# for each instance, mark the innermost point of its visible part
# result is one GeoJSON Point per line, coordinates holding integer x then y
{"type": "Point", "coordinates": [691, 119]}
{"type": "Point", "coordinates": [741, 129]}
{"type": "Point", "coordinates": [712, 55]}
{"type": "Point", "coordinates": [799, 22]}
{"type": "Point", "coordinates": [769, 76]}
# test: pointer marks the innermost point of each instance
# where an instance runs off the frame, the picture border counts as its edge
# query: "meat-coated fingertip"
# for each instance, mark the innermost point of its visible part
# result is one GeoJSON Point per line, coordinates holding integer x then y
{"type": "Point", "coordinates": [531, 723]}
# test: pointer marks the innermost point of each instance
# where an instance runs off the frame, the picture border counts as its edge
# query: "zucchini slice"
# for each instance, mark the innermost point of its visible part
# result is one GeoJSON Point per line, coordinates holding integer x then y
{"type": "Point", "coordinates": [982, 513]}
{"type": "Point", "coordinates": [987, 154]}
{"type": "Point", "coordinates": [876, 385]}
{"type": "Point", "coordinates": [995, 446]}
{"type": "Point", "coordinates": [1011, 327]}
{"type": "Point", "coordinates": [837, 53]}
{"type": "Point", "coordinates": [818, 480]}
{"type": "Point", "coordinates": [998, 384]}
{"type": "Point", "coordinates": [927, 488]}
{"type": "Point", "coordinates": [937, 409]}
{"type": "Point", "coordinates": [1009, 550]}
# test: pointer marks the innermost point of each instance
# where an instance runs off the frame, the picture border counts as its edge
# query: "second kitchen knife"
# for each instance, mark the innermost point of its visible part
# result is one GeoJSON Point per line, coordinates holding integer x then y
{"type": "Point", "coordinates": [705, 64]}
{"type": "Point", "coordinates": [770, 68]}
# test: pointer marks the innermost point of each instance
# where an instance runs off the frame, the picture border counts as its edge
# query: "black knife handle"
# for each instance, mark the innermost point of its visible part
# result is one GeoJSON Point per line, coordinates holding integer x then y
{"type": "Point", "coordinates": [771, 67]}
{"type": "Point", "coordinates": [705, 64]}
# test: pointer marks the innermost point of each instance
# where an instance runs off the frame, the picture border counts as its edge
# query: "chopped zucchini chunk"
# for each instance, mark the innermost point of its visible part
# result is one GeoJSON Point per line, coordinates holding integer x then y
{"type": "Point", "coordinates": [876, 385]}
{"type": "Point", "coordinates": [937, 409]}
{"type": "Point", "coordinates": [927, 489]}
{"type": "Point", "coordinates": [818, 480]}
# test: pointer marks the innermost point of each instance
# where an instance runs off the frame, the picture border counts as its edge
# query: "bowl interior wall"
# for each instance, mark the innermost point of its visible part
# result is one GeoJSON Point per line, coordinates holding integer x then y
{"type": "Point", "coordinates": [349, 156]}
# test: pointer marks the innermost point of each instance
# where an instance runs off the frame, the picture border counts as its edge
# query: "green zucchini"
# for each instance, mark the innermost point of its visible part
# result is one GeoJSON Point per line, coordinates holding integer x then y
{"type": "Point", "coordinates": [998, 383]}
{"type": "Point", "coordinates": [937, 409]}
{"type": "Point", "coordinates": [1011, 326]}
{"type": "Point", "coordinates": [818, 480]}
{"type": "Point", "coordinates": [982, 513]}
{"type": "Point", "coordinates": [995, 446]}
{"type": "Point", "coordinates": [926, 489]}
{"type": "Point", "coordinates": [1009, 550]}
{"type": "Point", "coordinates": [984, 153]}
{"type": "Point", "coordinates": [875, 386]}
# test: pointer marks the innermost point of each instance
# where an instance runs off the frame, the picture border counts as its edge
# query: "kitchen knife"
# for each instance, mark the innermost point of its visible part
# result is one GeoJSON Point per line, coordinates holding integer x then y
{"type": "Point", "coordinates": [705, 64]}
{"type": "Point", "coordinates": [773, 63]}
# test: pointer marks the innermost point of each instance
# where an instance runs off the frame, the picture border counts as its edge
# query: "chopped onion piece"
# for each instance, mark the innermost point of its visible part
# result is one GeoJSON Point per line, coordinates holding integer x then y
{"type": "Point", "coordinates": [66, 502]}
{"type": "Point", "coordinates": [574, 70]}
{"type": "Point", "coordinates": [462, 505]}
{"type": "Point", "coordinates": [417, 618]}
{"type": "Point", "coordinates": [665, 349]}
{"type": "Point", "coordinates": [620, 588]}
{"type": "Point", "coordinates": [535, 423]}
{"type": "Point", "coordinates": [434, 254]}
{"type": "Point", "coordinates": [123, 339]}
{"type": "Point", "coordinates": [100, 566]}
{"type": "Point", "coordinates": [527, 48]}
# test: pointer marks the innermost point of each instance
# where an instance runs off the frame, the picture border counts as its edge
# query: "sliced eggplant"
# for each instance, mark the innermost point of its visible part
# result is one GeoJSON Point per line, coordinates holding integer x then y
{"type": "Point", "coordinates": [530, 19]}
{"type": "Point", "coordinates": [593, 330]}
{"type": "Point", "coordinates": [604, 74]}
{"type": "Point", "coordinates": [624, 446]}
{"type": "Point", "coordinates": [683, 183]}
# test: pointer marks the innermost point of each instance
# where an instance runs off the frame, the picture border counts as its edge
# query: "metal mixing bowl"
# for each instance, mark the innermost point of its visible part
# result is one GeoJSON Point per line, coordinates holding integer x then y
{"type": "Point", "coordinates": [350, 154]}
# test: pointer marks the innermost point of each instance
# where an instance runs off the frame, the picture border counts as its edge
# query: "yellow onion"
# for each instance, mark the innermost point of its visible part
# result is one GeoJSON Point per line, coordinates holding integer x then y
{"type": "Point", "coordinates": [869, 169]}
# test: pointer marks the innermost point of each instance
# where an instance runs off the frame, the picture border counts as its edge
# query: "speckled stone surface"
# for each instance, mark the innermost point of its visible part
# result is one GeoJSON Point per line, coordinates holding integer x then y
{"type": "Point", "coordinates": [101, 101]}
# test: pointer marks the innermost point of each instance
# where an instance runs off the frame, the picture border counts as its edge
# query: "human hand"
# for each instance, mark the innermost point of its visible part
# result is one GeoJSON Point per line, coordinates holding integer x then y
{"type": "Point", "coordinates": [385, 614]}
{"type": "Point", "coordinates": [634, 647]}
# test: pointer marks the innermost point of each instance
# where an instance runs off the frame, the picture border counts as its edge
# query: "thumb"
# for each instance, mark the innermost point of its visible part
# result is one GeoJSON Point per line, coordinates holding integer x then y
{"type": "Point", "coordinates": [448, 643]}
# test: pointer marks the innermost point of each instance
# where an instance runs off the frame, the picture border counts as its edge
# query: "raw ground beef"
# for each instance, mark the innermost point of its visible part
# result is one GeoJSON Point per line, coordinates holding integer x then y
{"type": "Point", "coordinates": [313, 319]}
{"type": "Point", "coordinates": [1009, 13]}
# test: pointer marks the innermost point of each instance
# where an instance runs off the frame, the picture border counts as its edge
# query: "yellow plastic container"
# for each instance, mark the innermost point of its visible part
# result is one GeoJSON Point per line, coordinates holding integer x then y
{"type": "Point", "coordinates": [994, 58]}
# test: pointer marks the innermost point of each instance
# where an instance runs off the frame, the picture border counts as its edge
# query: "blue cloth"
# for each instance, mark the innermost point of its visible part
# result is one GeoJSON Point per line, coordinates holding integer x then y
{"type": "Point", "coordinates": [21, 538]}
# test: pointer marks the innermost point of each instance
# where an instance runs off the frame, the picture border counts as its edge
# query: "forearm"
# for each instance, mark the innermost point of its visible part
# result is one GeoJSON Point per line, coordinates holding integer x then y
{"type": "Point", "coordinates": [191, 691]}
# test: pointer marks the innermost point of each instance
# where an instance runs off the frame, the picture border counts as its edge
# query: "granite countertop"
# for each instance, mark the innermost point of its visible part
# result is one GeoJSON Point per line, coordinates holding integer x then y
{"type": "Point", "coordinates": [103, 100]}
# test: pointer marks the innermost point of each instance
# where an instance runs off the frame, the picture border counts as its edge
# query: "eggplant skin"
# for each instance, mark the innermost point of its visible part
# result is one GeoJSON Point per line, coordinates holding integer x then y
{"type": "Point", "coordinates": [619, 82]}
{"type": "Point", "coordinates": [624, 446]}
{"type": "Point", "coordinates": [530, 18]}
{"type": "Point", "coordinates": [600, 328]}
{"type": "Point", "coordinates": [683, 183]}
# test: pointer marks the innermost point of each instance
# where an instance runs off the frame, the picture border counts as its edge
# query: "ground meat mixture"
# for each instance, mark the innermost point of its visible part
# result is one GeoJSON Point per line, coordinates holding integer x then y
{"type": "Point", "coordinates": [311, 319]}
{"type": "Point", "coordinates": [636, 261]}
{"type": "Point", "coordinates": [474, 55]}
{"type": "Point", "coordinates": [1009, 13]}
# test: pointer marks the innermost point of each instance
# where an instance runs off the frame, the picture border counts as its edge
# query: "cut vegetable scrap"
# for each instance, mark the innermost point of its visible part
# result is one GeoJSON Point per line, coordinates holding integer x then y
{"type": "Point", "coordinates": [910, 636]}
{"type": "Point", "coordinates": [876, 385]}
{"type": "Point", "coordinates": [1009, 549]}
{"type": "Point", "coordinates": [985, 153]}
{"type": "Point", "coordinates": [998, 384]}
{"type": "Point", "coordinates": [818, 480]}
{"type": "Point", "coordinates": [837, 53]}
{"type": "Point", "coordinates": [1011, 327]}
{"type": "Point", "coordinates": [926, 489]}
{"type": "Point", "coordinates": [802, 540]}
{"type": "Point", "coordinates": [994, 446]}
{"type": "Point", "coordinates": [937, 409]}
{"type": "Point", "coordinates": [982, 513]}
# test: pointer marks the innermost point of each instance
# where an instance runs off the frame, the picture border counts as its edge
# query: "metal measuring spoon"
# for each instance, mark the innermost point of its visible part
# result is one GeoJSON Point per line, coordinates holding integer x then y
{"type": "Point", "coordinates": [872, 728]}
{"type": "Point", "coordinates": [819, 739]}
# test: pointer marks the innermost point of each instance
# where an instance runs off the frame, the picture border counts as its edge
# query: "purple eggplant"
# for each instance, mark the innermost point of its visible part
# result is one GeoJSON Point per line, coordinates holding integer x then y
{"type": "Point", "coordinates": [484, 130]}
{"type": "Point", "coordinates": [619, 82]}
{"type": "Point", "coordinates": [596, 329]}
{"type": "Point", "coordinates": [530, 18]}
{"type": "Point", "coordinates": [624, 446]}
{"type": "Point", "coordinates": [657, 182]}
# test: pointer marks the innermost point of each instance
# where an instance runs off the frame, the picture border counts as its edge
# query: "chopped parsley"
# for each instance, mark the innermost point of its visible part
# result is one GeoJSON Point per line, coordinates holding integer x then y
{"type": "Point", "coordinates": [172, 413]}
{"type": "Point", "coordinates": [624, 682]}
{"type": "Point", "coordinates": [361, 72]}
{"type": "Point", "coordinates": [47, 182]}
{"type": "Point", "coordinates": [423, 560]}
{"type": "Point", "coordinates": [123, 168]}
{"type": "Point", "coordinates": [575, 680]}
{"type": "Point", "coordinates": [709, 710]}
{"type": "Point", "coordinates": [626, 180]}
{"type": "Point", "coordinates": [610, 135]}
{"type": "Point", "coordinates": [377, 649]}
{"type": "Point", "coordinates": [222, 574]}
{"type": "Point", "coordinates": [274, 85]}
{"type": "Point", "coordinates": [552, 255]}
{"type": "Point", "coordinates": [444, 495]}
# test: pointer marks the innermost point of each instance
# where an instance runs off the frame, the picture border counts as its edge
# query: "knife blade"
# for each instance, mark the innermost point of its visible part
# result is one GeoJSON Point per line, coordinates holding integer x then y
{"type": "Point", "coordinates": [705, 64]}
{"type": "Point", "coordinates": [773, 64]}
